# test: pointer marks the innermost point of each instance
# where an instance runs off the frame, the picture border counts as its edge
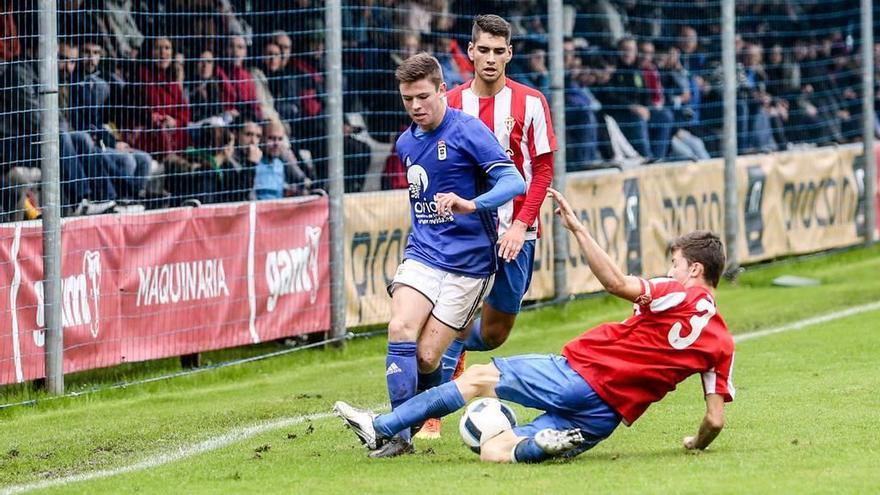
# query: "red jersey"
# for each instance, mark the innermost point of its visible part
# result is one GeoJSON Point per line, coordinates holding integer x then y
{"type": "Point", "coordinates": [520, 118]}
{"type": "Point", "coordinates": [673, 333]}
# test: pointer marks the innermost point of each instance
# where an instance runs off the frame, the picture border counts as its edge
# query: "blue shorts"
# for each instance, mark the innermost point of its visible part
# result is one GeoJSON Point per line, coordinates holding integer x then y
{"type": "Point", "coordinates": [512, 281]}
{"type": "Point", "coordinates": [547, 382]}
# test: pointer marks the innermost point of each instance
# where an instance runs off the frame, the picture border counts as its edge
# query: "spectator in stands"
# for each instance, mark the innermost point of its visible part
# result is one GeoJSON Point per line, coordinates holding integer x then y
{"type": "Point", "coordinates": [693, 60]}
{"type": "Point", "coordinates": [80, 145]}
{"type": "Point", "coordinates": [281, 87]}
{"type": "Point", "coordinates": [209, 95]}
{"type": "Point", "coordinates": [304, 23]}
{"type": "Point", "coordinates": [239, 180]}
{"type": "Point", "coordinates": [284, 43]}
{"type": "Point", "coordinates": [89, 95]}
{"type": "Point", "coordinates": [845, 77]}
{"type": "Point", "coordinates": [20, 130]}
{"type": "Point", "coordinates": [661, 123]}
{"type": "Point", "coordinates": [677, 90]}
{"type": "Point", "coordinates": [626, 100]}
{"type": "Point", "coordinates": [310, 127]}
{"type": "Point", "coordinates": [120, 34]}
{"type": "Point", "coordinates": [537, 75]}
{"type": "Point", "coordinates": [275, 177]}
{"type": "Point", "coordinates": [815, 101]}
{"type": "Point", "coordinates": [237, 75]}
{"type": "Point", "coordinates": [600, 21]}
{"type": "Point", "coordinates": [199, 173]}
{"type": "Point", "coordinates": [418, 15]}
{"type": "Point", "coordinates": [411, 43]}
{"type": "Point", "coordinates": [764, 116]}
{"type": "Point", "coordinates": [160, 81]}
{"type": "Point", "coordinates": [455, 64]}
{"type": "Point", "coordinates": [581, 107]}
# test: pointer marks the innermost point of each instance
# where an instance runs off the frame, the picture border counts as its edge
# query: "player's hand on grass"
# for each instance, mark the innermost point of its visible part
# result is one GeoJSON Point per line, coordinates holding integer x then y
{"type": "Point", "coordinates": [569, 220]}
{"type": "Point", "coordinates": [510, 244]}
{"type": "Point", "coordinates": [449, 203]}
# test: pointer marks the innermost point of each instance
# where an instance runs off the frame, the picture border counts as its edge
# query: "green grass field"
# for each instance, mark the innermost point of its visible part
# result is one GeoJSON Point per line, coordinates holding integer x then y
{"type": "Point", "coordinates": [805, 419]}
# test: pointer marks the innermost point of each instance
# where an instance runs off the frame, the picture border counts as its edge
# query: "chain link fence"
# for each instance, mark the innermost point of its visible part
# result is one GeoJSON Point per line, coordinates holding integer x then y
{"type": "Point", "coordinates": [194, 141]}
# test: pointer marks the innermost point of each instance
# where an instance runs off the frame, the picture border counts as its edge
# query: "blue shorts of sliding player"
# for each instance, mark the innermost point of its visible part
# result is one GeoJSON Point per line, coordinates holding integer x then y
{"type": "Point", "coordinates": [547, 382]}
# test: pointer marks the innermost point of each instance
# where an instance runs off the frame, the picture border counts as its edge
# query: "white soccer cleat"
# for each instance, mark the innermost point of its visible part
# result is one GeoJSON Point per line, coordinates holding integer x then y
{"type": "Point", "coordinates": [556, 442]}
{"type": "Point", "coordinates": [361, 422]}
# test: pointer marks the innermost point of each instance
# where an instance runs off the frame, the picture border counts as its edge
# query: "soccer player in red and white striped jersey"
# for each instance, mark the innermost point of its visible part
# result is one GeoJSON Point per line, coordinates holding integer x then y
{"type": "Point", "coordinates": [520, 118]}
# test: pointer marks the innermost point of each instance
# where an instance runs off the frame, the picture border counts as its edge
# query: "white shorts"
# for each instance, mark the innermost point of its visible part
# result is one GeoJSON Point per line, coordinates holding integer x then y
{"type": "Point", "coordinates": [455, 297]}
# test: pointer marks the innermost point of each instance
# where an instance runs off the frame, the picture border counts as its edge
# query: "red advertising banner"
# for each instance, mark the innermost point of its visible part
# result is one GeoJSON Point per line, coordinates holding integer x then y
{"type": "Point", "coordinates": [159, 284]}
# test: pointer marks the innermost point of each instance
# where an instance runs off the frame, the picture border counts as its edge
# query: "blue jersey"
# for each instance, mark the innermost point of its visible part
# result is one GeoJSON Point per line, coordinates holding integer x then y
{"type": "Point", "coordinates": [455, 157]}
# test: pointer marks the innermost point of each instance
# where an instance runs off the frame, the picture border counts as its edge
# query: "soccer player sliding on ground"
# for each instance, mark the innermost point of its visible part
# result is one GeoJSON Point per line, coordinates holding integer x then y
{"type": "Point", "coordinates": [458, 175]}
{"type": "Point", "coordinates": [520, 119]}
{"type": "Point", "coordinates": [609, 374]}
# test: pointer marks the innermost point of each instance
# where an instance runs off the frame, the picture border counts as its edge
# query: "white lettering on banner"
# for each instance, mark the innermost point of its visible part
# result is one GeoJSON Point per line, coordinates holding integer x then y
{"type": "Point", "coordinates": [295, 270]}
{"type": "Point", "coordinates": [80, 295]}
{"type": "Point", "coordinates": [184, 281]}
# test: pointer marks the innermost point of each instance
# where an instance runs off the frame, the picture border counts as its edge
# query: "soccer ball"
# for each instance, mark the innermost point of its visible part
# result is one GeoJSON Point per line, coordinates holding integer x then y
{"type": "Point", "coordinates": [484, 419]}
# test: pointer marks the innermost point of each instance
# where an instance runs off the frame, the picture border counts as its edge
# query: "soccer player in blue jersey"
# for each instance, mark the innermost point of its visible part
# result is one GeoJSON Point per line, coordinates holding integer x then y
{"type": "Point", "coordinates": [458, 175]}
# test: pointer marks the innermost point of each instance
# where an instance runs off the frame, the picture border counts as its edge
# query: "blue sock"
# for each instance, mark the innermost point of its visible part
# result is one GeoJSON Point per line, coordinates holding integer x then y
{"type": "Point", "coordinates": [450, 359]}
{"type": "Point", "coordinates": [434, 403]}
{"type": "Point", "coordinates": [430, 380]}
{"type": "Point", "coordinates": [474, 341]}
{"type": "Point", "coordinates": [528, 451]}
{"type": "Point", "coordinates": [401, 374]}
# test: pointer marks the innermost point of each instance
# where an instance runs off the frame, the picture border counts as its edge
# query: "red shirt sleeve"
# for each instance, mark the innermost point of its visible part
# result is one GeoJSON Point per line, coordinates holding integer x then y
{"type": "Point", "coordinates": [660, 294]}
{"type": "Point", "coordinates": [719, 380]}
{"type": "Point", "coordinates": [542, 177]}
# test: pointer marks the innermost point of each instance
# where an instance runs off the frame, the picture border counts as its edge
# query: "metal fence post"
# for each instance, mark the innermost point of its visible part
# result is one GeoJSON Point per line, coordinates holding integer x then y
{"type": "Point", "coordinates": [731, 202]}
{"type": "Point", "coordinates": [868, 121]}
{"type": "Point", "coordinates": [51, 196]}
{"type": "Point", "coordinates": [557, 102]}
{"type": "Point", "coordinates": [336, 170]}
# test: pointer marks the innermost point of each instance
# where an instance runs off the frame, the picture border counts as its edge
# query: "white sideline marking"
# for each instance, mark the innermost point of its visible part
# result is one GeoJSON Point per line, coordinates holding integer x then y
{"type": "Point", "coordinates": [243, 433]}
{"type": "Point", "coordinates": [233, 436]}
{"type": "Point", "coordinates": [808, 322]}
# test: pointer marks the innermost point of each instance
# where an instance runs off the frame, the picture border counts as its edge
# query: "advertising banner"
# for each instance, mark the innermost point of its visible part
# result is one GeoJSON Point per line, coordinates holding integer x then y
{"type": "Point", "coordinates": [159, 284]}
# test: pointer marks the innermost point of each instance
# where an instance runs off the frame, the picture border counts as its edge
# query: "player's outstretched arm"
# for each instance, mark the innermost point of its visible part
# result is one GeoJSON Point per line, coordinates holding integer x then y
{"type": "Point", "coordinates": [506, 184]}
{"type": "Point", "coordinates": [711, 425]}
{"type": "Point", "coordinates": [604, 268]}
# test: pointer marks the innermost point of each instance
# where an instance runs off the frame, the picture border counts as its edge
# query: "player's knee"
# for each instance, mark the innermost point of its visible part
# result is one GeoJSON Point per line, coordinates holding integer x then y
{"type": "Point", "coordinates": [495, 335]}
{"type": "Point", "coordinates": [494, 455]}
{"type": "Point", "coordinates": [479, 380]}
{"type": "Point", "coordinates": [496, 328]}
{"type": "Point", "coordinates": [400, 330]}
{"type": "Point", "coordinates": [499, 448]}
{"type": "Point", "coordinates": [428, 359]}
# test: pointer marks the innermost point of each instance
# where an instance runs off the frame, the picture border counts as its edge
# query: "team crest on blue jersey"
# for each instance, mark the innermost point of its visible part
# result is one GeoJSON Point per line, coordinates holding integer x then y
{"type": "Point", "coordinates": [441, 150]}
{"type": "Point", "coordinates": [417, 177]}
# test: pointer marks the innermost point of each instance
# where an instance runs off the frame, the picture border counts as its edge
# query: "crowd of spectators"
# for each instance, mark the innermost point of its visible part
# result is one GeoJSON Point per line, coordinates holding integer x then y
{"type": "Point", "coordinates": [170, 102]}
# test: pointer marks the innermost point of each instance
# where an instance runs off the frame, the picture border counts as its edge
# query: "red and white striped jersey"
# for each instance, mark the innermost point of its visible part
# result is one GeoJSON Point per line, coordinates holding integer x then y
{"type": "Point", "coordinates": [520, 118]}
{"type": "Point", "coordinates": [673, 333]}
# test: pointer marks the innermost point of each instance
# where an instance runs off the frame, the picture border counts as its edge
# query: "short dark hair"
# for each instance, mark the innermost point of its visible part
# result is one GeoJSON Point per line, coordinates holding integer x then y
{"type": "Point", "coordinates": [706, 248]}
{"type": "Point", "coordinates": [492, 24]}
{"type": "Point", "coordinates": [626, 39]}
{"type": "Point", "coordinates": [420, 66]}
